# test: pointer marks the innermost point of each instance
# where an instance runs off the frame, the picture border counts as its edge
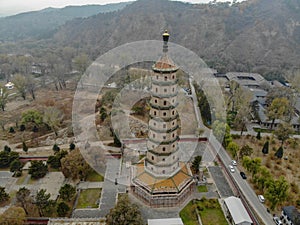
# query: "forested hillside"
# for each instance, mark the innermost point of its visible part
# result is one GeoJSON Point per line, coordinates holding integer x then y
{"type": "Point", "coordinates": [42, 24]}
{"type": "Point", "coordinates": [256, 35]}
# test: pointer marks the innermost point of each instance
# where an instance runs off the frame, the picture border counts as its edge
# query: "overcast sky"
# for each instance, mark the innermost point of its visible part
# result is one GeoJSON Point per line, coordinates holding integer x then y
{"type": "Point", "coordinates": [10, 7]}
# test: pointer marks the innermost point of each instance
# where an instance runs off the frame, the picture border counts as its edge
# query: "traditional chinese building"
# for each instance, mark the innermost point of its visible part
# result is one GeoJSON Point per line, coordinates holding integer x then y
{"type": "Point", "coordinates": [161, 180]}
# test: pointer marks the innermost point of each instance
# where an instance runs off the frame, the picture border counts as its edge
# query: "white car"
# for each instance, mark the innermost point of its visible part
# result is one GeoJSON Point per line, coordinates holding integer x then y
{"type": "Point", "coordinates": [231, 168]}
{"type": "Point", "coordinates": [261, 198]}
{"type": "Point", "coordinates": [233, 162]}
{"type": "Point", "coordinates": [277, 220]}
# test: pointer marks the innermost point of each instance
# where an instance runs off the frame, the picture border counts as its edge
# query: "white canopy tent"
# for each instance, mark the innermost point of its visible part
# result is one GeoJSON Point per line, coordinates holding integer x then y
{"type": "Point", "coordinates": [237, 211]}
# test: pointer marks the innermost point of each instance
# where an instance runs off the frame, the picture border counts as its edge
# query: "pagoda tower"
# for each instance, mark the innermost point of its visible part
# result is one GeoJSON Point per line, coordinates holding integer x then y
{"type": "Point", "coordinates": [161, 179]}
{"type": "Point", "coordinates": [162, 155]}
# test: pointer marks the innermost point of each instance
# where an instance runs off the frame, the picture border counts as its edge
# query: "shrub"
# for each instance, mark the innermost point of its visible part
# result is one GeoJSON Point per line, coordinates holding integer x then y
{"type": "Point", "coordinates": [54, 162]}
{"type": "Point", "coordinates": [67, 192]}
{"type": "Point", "coordinates": [35, 129]}
{"type": "Point", "coordinates": [38, 169]}
{"type": "Point", "coordinates": [72, 146]}
{"type": "Point", "coordinates": [117, 142]}
{"type": "Point", "coordinates": [265, 149]}
{"type": "Point", "coordinates": [279, 152]}
{"type": "Point", "coordinates": [22, 127]}
{"type": "Point", "coordinates": [11, 130]}
{"type": "Point", "coordinates": [55, 148]}
{"type": "Point", "coordinates": [62, 209]}
{"type": "Point", "coordinates": [258, 136]}
{"type": "Point", "coordinates": [200, 208]}
{"type": "Point", "coordinates": [236, 136]}
{"type": "Point", "coordinates": [3, 195]}
{"type": "Point", "coordinates": [15, 165]}
{"type": "Point", "coordinates": [24, 146]}
{"type": "Point", "coordinates": [7, 148]}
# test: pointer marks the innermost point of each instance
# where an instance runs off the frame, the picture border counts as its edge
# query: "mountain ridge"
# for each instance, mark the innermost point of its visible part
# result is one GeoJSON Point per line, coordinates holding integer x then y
{"type": "Point", "coordinates": [255, 36]}
{"type": "Point", "coordinates": [43, 23]}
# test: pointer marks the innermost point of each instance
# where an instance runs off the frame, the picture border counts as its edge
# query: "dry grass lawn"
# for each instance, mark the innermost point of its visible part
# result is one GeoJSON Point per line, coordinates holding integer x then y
{"type": "Point", "coordinates": [88, 198]}
{"type": "Point", "coordinates": [45, 97]}
{"type": "Point", "coordinates": [289, 168]}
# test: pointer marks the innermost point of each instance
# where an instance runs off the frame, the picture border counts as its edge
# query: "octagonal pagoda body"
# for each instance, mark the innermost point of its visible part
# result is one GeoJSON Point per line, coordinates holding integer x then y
{"type": "Point", "coordinates": [162, 155]}
{"type": "Point", "coordinates": [161, 180]}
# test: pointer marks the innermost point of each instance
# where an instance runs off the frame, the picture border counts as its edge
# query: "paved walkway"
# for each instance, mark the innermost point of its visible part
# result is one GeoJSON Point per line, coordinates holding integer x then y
{"type": "Point", "coordinates": [170, 212]}
{"type": "Point", "coordinates": [89, 185]}
{"type": "Point", "coordinates": [220, 181]}
{"type": "Point", "coordinates": [109, 188]}
{"type": "Point", "coordinates": [108, 194]}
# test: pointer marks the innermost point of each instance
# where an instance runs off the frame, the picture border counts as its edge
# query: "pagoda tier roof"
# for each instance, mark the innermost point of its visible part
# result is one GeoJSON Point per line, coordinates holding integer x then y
{"type": "Point", "coordinates": [165, 64]}
{"type": "Point", "coordinates": [156, 185]}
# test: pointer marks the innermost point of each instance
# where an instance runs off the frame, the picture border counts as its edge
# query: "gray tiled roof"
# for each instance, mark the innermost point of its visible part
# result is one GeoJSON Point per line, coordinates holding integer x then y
{"type": "Point", "coordinates": [292, 213]}
{"type": "Point", "coordinates": [250, 80]}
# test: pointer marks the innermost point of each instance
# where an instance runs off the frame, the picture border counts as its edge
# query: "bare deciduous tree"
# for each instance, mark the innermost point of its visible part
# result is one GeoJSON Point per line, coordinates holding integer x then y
{"type": "Point", "coordinates": [20, 84]}
{"type": "Point", "coordinates": [53, 118]}
{"type": "Point", "coordinates": [3, 97]}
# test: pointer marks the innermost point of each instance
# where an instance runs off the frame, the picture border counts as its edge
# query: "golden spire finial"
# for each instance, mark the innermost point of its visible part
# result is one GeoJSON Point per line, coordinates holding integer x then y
{"type": "Point", "coordinates": [166, 36]}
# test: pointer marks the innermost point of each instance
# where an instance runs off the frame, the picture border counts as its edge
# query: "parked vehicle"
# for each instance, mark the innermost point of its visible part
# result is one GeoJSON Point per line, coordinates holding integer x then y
{"type": "Point", "coordinates": [233, 162]}
{"type": "Point", "coordinates": [261, 198]}
{"type": "Point", "coordinates": [243, 175]}
{"type": "Point", "coordinates": [231, 168]}
{"type": "Point", "coordinates": [277, 220]}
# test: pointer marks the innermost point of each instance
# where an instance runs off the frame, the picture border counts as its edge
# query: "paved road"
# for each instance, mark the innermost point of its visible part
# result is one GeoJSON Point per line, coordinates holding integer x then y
{"type": "Point", "coordinates": [248, 192]}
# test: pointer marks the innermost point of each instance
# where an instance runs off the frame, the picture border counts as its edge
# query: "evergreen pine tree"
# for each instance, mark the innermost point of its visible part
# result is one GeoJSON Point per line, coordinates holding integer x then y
{"type": "Point", "coordinates": [279, 152]}
{"type": "Point", "coordinates": [24, 146]}
{"type": "Point", "coordinates": [258, 136]}
{"type": "Point", "coordinates": [7, 148]}
{"type": "Point", "coordinates": [72, 146]}
{"type": "Point", "coordinates": [55, 148]}
{"type": "Point", "coordinates": [11, 130]}
{"type": "Point", "coordinates": [265, 149]}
